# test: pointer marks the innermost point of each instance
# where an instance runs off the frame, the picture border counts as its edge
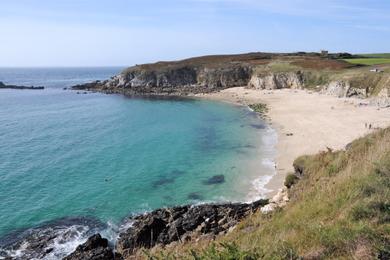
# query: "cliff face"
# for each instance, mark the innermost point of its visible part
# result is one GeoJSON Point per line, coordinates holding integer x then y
{"type": "Point", "coordinates": [182, 81]}
{"type": "Point", "coordinates": [253, 70]}
{"type": "Point", "coordinates": [212, 73]}
{"type": "Point", "coordinates": [178, 81]}
{"type": "Point", "coordinates": [277, 80]}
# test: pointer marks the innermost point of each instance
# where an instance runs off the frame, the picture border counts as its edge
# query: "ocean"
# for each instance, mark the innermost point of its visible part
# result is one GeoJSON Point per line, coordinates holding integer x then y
{"type": "Point", "coordinates": [80, 163]}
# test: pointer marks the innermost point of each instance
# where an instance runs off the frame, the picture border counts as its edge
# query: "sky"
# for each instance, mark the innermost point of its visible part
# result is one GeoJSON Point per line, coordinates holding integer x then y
{"type": "Point", "coordinates": [42, 33]}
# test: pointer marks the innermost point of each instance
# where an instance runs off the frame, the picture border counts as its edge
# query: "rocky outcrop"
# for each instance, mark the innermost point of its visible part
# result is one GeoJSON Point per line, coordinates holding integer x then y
{"type": "Point", "coordinates": [293, 80]}
{"type": "Point", "coordinates": [336, 88]}
{"type": "Point", "coordinates": [278, 201]}
{"type": "Point", "coordinates": [51, 240]}
{"type": "Point", "coordinates": [343, 88]}
{"type": "Point", "coordinates": [96, 248]}
{"type": "Point", "coordinates": [383, 98]}
{"type": "Point", "coordinates": [174, 81]}
{"type": "Point", "coordinates": [385, 92]}
{"type": "Point", "coordinates": [168, 225]}
{"type": "Point", "coordinates": [179, 224]}
{"type": "Point", "coordinates": [221, 78]}
{"type": "Point", "coordinates": [4, 86]}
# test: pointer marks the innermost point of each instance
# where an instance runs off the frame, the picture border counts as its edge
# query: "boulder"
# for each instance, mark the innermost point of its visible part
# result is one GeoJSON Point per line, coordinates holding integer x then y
{"type": "Point", "coordinates": [356, 92]}
{"type": "Point", "coordinates": [337, 88]}
{"type": "Point", "coordinates": [96, 248]}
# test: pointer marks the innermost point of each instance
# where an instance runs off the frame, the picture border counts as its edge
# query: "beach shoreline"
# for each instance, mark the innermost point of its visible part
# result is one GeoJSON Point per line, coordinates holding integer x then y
{"type": "Point", "coordinates": [306, 122]}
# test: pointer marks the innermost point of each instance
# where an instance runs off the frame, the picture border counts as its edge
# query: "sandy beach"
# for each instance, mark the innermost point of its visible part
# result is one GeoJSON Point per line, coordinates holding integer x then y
{"type": "Point", "coordinates": [307, 122]}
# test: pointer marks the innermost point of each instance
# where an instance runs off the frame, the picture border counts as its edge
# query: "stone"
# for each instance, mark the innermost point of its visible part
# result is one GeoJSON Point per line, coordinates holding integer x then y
{"type": "Point", "coordinates": [337, 88]}
{"type": "Point", "coordinates": [195, 196]}
{"type": "Point", "coordinates": [96, 248]}
{"type": "Point", "coordinates": [356, 92]}
{"type": "Point", "coordinates": [216, 179]}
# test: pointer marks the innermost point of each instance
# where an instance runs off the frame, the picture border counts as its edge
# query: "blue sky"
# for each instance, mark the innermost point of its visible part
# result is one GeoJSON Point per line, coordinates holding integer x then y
{"type": "Point", "coordinates": [119, 32]}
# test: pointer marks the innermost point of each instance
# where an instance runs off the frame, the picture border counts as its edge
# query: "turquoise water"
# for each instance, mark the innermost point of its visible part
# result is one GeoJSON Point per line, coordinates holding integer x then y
{"type": "Point", "coordinates": [108, 156]}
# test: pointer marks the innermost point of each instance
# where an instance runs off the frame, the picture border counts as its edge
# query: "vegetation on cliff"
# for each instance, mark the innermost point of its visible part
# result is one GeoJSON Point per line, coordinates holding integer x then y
{"type": "Point", "coordinates": [340, 74]}
{"type": "Point", "coordinates": [340, 208]}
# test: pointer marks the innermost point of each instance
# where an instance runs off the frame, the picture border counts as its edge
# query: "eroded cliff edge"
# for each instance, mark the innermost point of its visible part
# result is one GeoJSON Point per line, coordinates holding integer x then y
{"type": "Point", "coordinates": [328, 74]}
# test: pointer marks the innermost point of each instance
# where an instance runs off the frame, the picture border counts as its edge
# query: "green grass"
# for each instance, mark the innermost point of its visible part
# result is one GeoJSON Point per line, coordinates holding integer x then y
{"type": "Point", "coordinates": [376, 55]}
{"type": "Point", "coordinates": [290, 180]}
{"type": "Point", "coordinates": [369, 61]}
{"type": "Point", "coordinates": [339, 209]}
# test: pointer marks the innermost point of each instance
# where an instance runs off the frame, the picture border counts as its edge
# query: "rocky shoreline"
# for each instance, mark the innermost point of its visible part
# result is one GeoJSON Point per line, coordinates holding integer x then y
{"type": "Point", "coordinates": [161, 227]}
{"type": "Point", "coordinates": [4, 86]}
{"type": "Point", "coordinates": [165, 226]}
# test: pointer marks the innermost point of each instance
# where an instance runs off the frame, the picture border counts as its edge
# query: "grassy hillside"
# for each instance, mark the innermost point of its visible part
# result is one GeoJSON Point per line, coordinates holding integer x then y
{"type": "Point", "coordinates": [301, 59]}
{"type": "Point", "coordinates": [339, 209]}
{"type": "Point", "coordinates": [369, 61]}
{"type": "Point", "coordinates": [376, 55]}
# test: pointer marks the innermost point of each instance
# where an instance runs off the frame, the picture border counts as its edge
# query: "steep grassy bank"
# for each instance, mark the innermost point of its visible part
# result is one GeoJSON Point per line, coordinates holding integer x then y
{"type": "Point", "coordinates": [340, 208]}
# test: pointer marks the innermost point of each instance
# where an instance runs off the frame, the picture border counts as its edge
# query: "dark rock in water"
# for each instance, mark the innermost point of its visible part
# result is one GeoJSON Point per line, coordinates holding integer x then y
{"type": "Point", "coordinates": [4, 86]}
{"type": "Point", "coordinates": [164, 226]}
{"type": "Point", "coordinates": [207, 137]}
{"type": "Point", "coordinates": [258, 126]}
{"type": "Point", "coordinates": [217, 179]}
{"type": "Point", "coordinates": [162, 181]}
{"type": "Point", "coordinates": [176, 173]}
{"type": "Point", "coordinates": [195, 196]}
{"type": "Point", "coordinates": [43, 241]}
{"type": "Point", "coordinates": [86, 86]}
{"type": "Point", "coordinates": [96, 248]}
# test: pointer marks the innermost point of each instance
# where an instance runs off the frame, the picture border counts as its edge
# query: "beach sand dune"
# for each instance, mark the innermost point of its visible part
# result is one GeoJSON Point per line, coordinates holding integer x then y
{"type": "Point", "coordinates": [308, 122]}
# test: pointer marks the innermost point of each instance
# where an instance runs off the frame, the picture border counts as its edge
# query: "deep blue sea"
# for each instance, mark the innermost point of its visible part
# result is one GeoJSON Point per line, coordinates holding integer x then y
{"type": "Point", "coordinates": [65, 155]}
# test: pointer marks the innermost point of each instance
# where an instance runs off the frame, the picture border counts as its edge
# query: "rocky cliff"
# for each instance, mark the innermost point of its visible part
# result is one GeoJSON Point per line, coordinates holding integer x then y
{"type": "Point", "coordinates": [277, 80]}
{"type": "Point", "coordinates": [168, 225]}
{"type": "Point", "coordinates": [254, 70]}
{"type": "Point", "coordinates": [213, 73]}
{"type": "Point", "coordinates": [174, 81]}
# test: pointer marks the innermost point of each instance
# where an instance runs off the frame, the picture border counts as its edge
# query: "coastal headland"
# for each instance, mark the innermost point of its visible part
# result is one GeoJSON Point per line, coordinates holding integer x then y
{"type": "Point", "coordinates": [317, 103]}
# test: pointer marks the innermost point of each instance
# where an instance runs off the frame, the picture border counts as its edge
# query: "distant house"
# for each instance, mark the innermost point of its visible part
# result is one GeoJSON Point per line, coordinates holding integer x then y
{"type": "Point", "coordinates": [324, 53]}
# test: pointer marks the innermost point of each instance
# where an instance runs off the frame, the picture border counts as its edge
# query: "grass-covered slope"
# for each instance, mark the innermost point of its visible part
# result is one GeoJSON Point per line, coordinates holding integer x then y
{"type": "Point", "coordinates": [339, 209]}
{"type": "Point", "coordinates": [369, 61]}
